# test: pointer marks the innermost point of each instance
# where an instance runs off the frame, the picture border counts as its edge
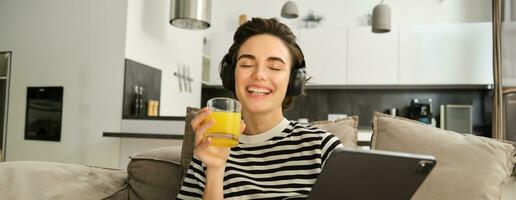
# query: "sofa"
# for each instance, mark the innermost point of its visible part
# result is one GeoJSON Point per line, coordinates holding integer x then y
{"type": "Point", "coordinates": [469, 167]}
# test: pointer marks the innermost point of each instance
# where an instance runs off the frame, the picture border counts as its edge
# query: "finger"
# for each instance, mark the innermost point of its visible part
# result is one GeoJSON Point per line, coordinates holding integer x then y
{"type": "Point", "coordinates": [200, 149]}
{"type": "Point", "coordinates": [242, 126]}
{"type": "Point", "coordinates": [208, 141]}
{"type": "Point", "coordinates": [199, 133]}
{"type": "Point", "coordinates": [200, 117]}
{"type": "Point", "coordinates": [205, 143]}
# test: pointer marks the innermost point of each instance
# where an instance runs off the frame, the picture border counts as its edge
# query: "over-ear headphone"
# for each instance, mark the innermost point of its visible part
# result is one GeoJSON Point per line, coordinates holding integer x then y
{"type": "Point", "coordinates": [296, 84]}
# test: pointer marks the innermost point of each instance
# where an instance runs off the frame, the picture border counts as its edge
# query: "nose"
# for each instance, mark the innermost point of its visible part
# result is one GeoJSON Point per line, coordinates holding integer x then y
{"type": "Point", "coordinates": [260, 72]}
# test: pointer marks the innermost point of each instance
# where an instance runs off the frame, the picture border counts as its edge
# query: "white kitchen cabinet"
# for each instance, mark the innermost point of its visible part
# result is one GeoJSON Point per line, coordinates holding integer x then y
{"type": "Point", "coordinates": [325, 51]}
{"type": "Point", "coordinates": [220, 41]}
{"type": "Point", "coordinates": [509, 54]}
{"type": "Point", "coordinates": [452, 54]}
{"type": "Point", "coordinates": [373, 57]}
{"type": "Point", "coordinates": [441, 54]}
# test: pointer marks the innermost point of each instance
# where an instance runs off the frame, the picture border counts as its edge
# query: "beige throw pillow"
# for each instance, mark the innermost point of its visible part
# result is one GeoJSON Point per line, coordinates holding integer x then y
{"type": "Point", "coordinates": [468, 166]}
{"type": "Point", "coordinates": [346, 129]}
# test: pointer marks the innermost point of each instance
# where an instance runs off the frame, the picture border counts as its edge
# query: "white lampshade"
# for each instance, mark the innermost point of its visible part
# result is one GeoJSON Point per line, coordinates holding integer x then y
{"type": "Point", "coordinates": [190, 14]}
{"type": "Point", "coordinates": [289, 10]}
{"type": "Point", "coordinates": [381, 18]}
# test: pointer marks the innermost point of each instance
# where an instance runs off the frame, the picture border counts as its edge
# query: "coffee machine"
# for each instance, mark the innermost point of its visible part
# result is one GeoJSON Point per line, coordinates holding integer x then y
{"type": "Point", "coordinates": [421, 110]}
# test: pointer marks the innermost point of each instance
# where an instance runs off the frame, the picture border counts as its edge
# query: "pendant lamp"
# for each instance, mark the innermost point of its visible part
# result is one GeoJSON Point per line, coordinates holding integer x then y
{"type": "Point", "coordinates": [289, 10]}
{"type": "Point", "coordinates": [190, 14]}
{"type": "Point", "coordinates": [381, 18]}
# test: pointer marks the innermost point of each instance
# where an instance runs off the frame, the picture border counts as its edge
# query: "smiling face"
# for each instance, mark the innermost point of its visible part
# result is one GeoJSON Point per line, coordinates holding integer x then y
{"type": "Point", "coordinates": [262, 73]}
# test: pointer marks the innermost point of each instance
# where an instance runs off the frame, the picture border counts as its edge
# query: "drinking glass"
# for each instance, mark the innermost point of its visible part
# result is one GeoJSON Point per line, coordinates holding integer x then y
{"type": "Point", "coordinates": [225, 132]}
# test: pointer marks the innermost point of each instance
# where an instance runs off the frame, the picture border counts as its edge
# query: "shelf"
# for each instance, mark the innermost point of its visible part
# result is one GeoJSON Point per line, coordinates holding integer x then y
{"type": "Point", "coordinates": [365, 135]}
{"type": "Point", "coordinates": [206, 84]}
{"type": "Point", "coordinates": [170, 118]}
{"type": "Point", "coordinates": [401, 87]}
{"type": "Point", "coordinates": [143, 135]}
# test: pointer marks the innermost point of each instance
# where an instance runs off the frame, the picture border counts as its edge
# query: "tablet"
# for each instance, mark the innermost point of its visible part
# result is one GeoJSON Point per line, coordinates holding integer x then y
{"type": "Point", "coordinates": [371, 174]}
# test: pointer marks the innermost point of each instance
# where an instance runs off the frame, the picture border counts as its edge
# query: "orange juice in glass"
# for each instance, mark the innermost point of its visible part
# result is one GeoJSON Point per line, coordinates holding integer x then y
{"type": "Point", "coordinates": [225, 132]}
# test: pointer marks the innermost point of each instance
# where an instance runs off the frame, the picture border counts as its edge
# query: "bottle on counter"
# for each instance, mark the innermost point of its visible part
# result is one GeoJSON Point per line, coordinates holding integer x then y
{"type": "Point", "coordinates": [141, 108]}
{"type": "Point", "coordinates": [135, 110]}
{"type": "Point", "coordinates": [156, 108]}
{"type": "Point", "coordinates": [150, 108]}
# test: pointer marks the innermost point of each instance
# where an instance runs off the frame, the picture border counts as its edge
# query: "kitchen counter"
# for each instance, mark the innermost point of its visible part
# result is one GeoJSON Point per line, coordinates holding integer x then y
{"type": "Point", "coordinates": [143, 135]}
{"type": "Point", "coordinates": [364, 138]}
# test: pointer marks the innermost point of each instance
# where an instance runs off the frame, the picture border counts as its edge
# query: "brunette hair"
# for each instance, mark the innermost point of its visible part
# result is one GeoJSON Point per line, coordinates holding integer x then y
{"type": "Point", "coordinates": [258, 26]}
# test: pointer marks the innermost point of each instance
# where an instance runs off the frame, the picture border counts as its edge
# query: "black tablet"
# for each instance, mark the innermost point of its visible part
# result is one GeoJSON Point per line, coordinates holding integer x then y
{"type": "Point", "coordinates": [371, 174]}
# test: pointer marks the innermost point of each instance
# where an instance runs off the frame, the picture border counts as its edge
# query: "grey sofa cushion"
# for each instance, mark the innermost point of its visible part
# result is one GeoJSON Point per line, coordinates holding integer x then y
{"type": "Point", "coordinates": [158, 173]}
{"type": "Point", "coordinates": [468, 166]}
{"type": "Point", "coordinates": [29, 180]}
{"type": "Point", "coordinates": [155, 174]}
{"type": "Point", "coordinates": [188, 141]}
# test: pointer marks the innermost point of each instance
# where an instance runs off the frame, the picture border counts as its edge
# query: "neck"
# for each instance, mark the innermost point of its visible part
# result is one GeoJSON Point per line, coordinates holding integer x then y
{"type": "Point", "coordinates": [257, 123]}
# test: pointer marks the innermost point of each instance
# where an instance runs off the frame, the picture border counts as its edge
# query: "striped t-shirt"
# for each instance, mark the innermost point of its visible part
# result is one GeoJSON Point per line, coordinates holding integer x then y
{"type": "Point", "coordinates": [282, 162]}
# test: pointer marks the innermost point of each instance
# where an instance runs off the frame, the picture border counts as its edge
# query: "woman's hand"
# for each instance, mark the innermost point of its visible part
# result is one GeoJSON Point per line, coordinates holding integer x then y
{"type": "Point", "coordinates": [213, 157]}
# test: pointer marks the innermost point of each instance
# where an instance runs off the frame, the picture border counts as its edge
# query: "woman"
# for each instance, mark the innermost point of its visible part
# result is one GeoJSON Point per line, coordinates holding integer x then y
{"type": "Point", "coordinates": [276, 158]}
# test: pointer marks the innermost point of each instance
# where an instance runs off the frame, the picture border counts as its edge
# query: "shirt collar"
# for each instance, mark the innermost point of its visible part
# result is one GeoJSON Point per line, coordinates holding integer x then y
{"type": "Point", "coordinates": [262, 137]}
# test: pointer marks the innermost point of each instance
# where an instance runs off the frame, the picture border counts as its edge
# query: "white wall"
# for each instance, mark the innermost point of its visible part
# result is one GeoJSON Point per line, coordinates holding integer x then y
{"type": "Point", "coordinates": [78, 45]}
{"type": "Point", "coordinates": [346, 13]}
{"type": "Point", "coordinates": [151, 40]}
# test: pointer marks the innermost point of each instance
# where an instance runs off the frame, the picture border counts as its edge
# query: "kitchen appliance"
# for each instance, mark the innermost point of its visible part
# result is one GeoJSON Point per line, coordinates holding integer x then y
{"type": "Point", "coordinates": [44, 113]}
{"type": "Point", "coordinates": [458, 118]}
{"type": "Point", "coordinates": [510, 116]}
{"type": "Point", "coordinates": [393, 112]}
{"type": "Point", "coordinates": [421, 110]}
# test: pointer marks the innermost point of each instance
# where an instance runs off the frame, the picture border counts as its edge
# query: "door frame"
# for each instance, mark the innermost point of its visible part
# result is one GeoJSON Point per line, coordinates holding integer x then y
{"type": "Point", "coordinates": [7, 94]}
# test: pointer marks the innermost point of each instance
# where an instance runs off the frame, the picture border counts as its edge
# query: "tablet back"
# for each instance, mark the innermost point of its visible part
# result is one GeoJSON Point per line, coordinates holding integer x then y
{"type": "Point", "coordinates": [371, 174]}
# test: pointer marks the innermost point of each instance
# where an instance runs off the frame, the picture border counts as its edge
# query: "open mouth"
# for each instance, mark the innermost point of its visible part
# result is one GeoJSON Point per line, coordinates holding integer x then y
{"type": "Point", "coordinates": [258, 91]}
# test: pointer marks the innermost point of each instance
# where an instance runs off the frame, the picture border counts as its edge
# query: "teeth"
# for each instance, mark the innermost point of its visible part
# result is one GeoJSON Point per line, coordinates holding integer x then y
{"type": "Point", "coordinates": [258, 90]}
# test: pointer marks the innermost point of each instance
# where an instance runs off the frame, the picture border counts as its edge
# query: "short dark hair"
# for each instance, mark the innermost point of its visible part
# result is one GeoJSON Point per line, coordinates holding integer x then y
{"type": "Point", "coordinates": [271, 26]}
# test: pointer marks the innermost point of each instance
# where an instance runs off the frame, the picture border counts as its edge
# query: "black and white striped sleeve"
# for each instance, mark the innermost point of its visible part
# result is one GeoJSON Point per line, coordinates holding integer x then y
{"type": "Point", "coordinates": [328, 144]}
{"type": "Point", "coordinates": [193, 184]}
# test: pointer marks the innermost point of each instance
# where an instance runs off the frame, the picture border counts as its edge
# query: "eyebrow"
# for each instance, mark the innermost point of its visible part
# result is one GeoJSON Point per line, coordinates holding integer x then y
{"type": "Point", "coordinates": [254, 58]}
